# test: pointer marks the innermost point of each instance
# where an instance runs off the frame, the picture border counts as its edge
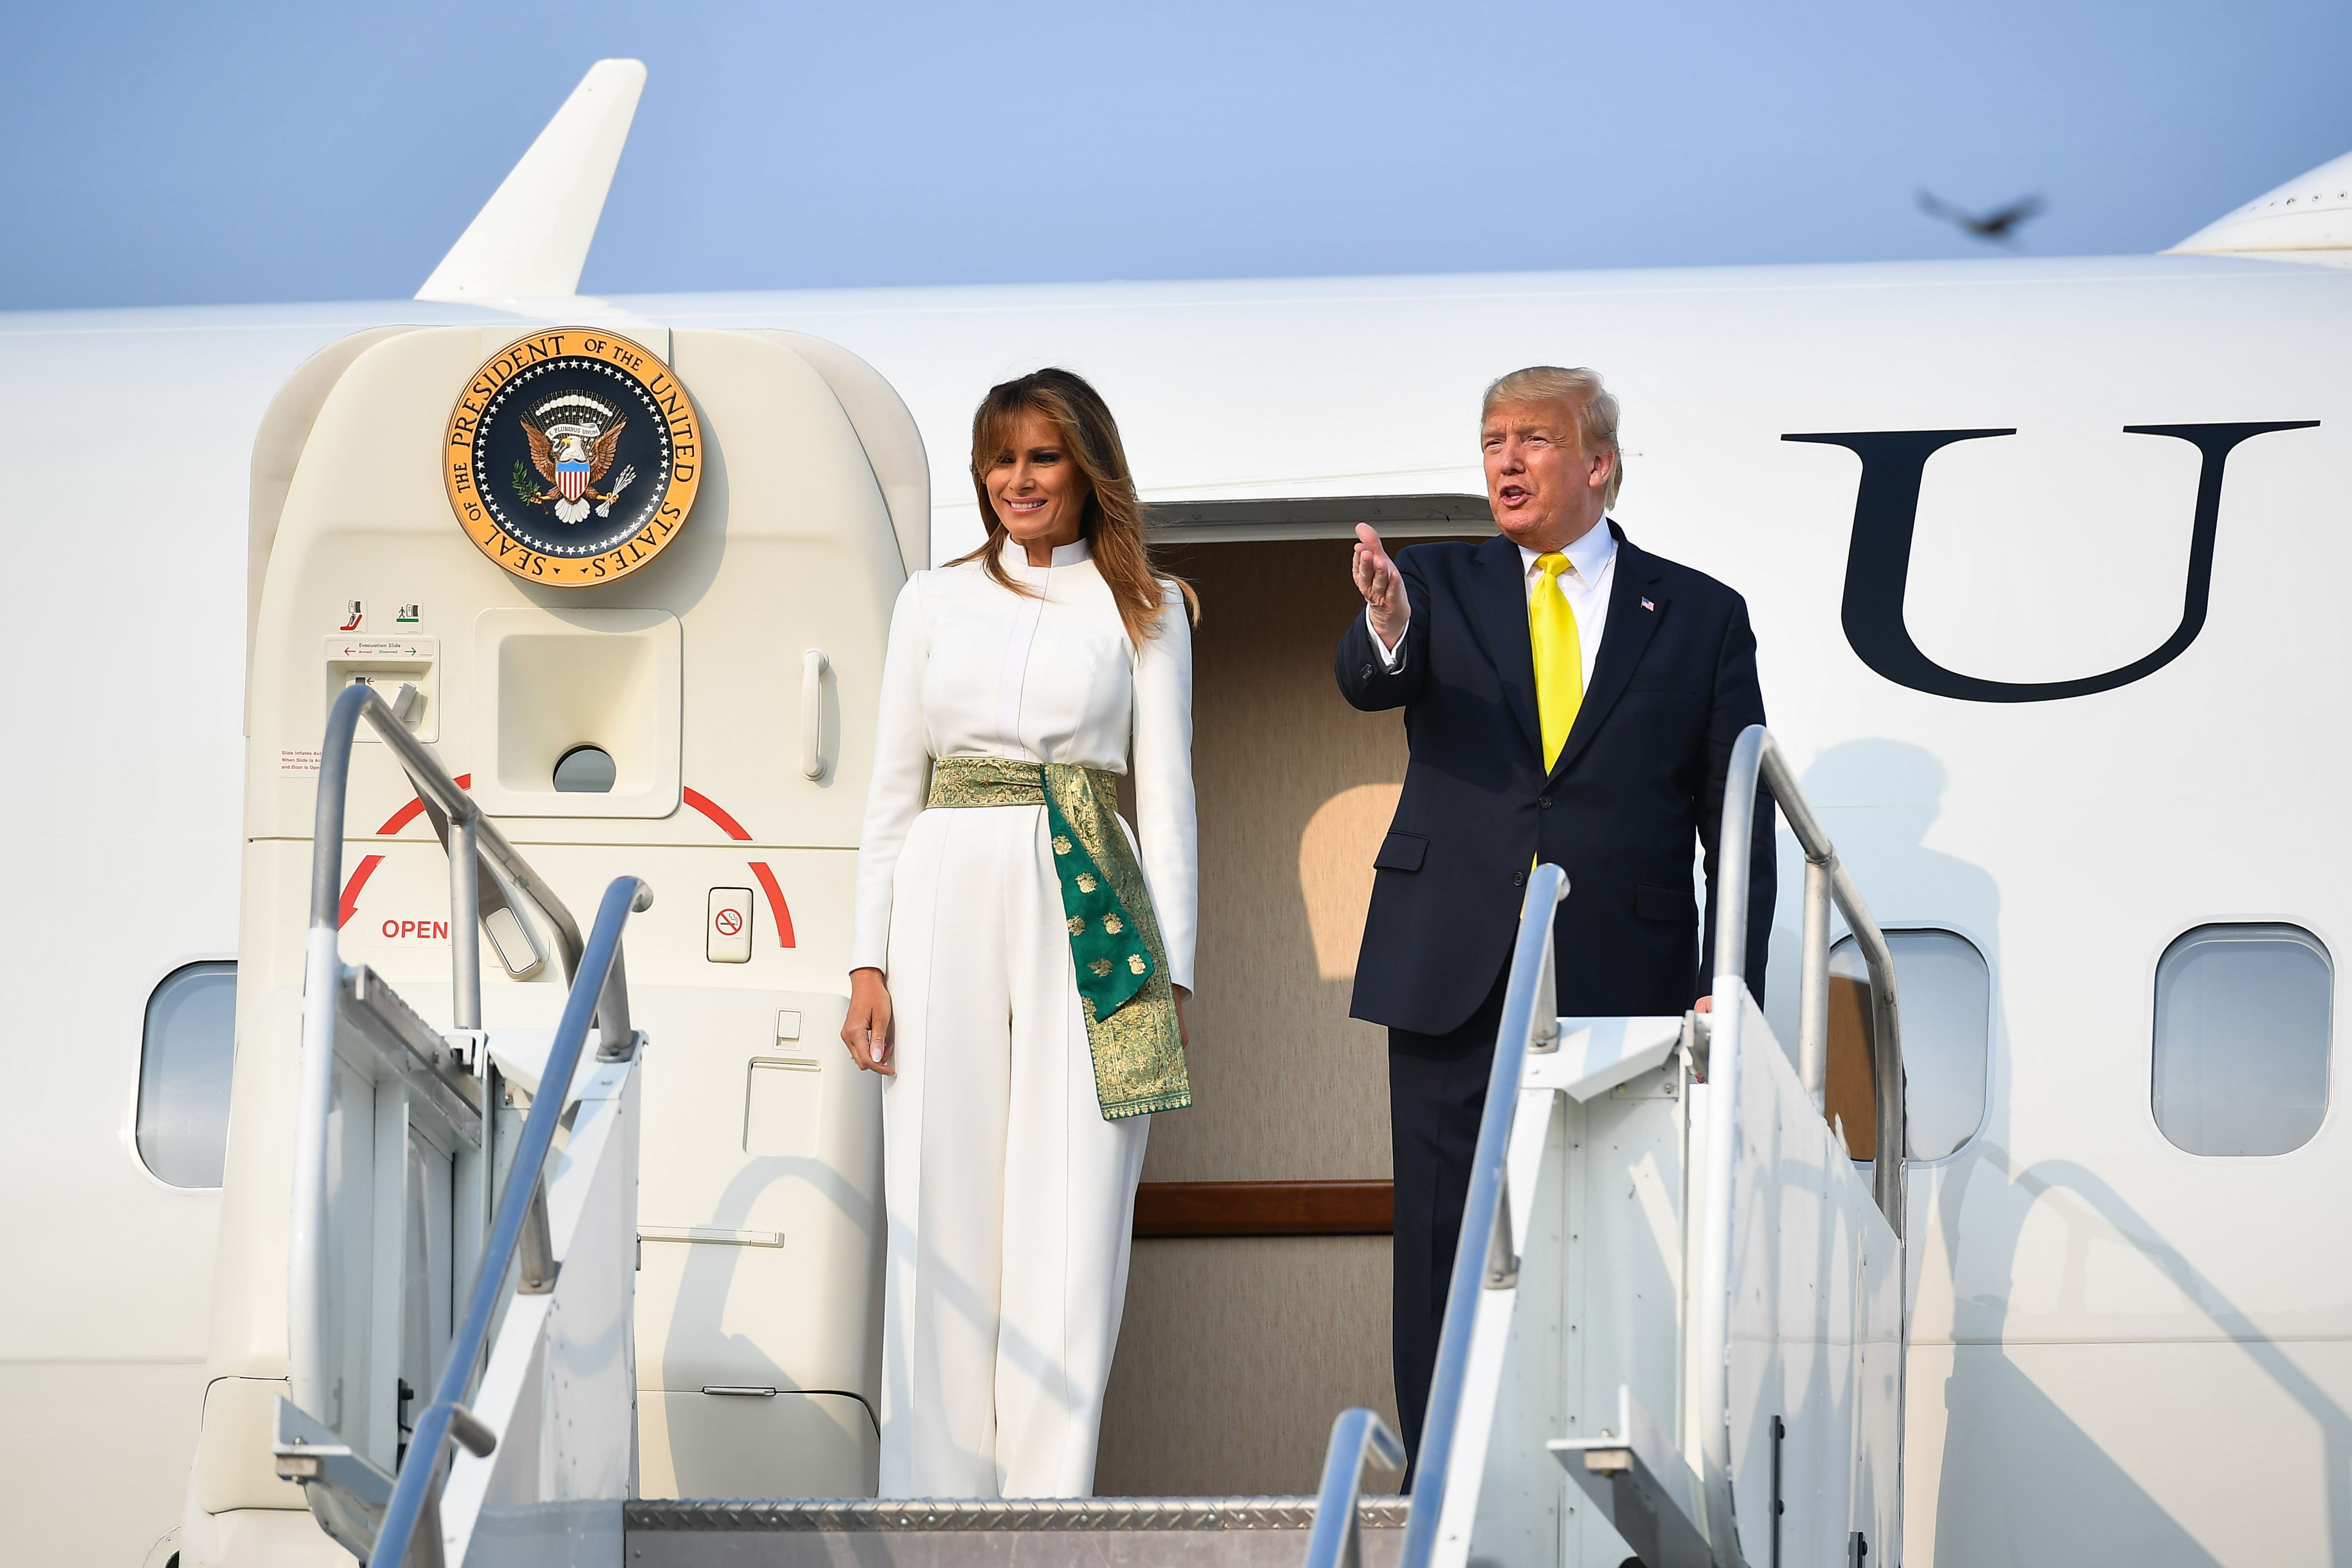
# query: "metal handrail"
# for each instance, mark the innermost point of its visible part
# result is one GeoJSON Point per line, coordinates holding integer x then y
{"type": "Point", "coordinates": [414, 1492]}
{"type": "Point", "coordinates": [1484, 1257]}
{"type": "Point", "coordinates": [1481, 1243]}
{"type": "Point", "coordinates": [1756, 758]}
{"type": "Point", "coordinates": [432, 781]}
{"type": "Point", "coordinates": [1357, 1436]}
{"type": "Point", "coordinates": [473, 835]}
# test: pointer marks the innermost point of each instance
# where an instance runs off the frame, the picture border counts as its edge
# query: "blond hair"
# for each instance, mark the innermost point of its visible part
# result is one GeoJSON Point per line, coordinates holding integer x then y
{"type": "Point", "coordinates": [1594, 405]}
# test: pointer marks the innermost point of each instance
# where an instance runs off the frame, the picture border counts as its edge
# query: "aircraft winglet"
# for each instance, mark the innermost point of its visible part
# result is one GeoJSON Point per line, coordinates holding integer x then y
{"type": "Point", "coordinates": [531, 238]}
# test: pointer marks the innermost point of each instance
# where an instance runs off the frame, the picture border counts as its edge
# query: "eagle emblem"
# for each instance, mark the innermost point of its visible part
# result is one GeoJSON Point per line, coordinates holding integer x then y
{"type": "Point", "coordinates": [572, 437]}
{"type": "Point", "coordinates": [545, 439]}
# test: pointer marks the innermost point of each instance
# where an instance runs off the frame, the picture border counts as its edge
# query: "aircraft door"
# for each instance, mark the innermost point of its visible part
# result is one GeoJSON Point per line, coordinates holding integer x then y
{"type": "Point", "coordinates": [642, 584]}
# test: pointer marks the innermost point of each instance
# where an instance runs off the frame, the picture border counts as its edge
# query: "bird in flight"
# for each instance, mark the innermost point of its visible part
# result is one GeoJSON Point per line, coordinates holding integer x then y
{"type": "Point", "coordinates": [2000, 225]}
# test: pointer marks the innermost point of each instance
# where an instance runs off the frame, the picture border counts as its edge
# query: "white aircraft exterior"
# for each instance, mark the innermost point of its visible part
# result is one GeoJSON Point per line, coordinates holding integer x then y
{"type": "Point", "coordinates": [2123, 1349]}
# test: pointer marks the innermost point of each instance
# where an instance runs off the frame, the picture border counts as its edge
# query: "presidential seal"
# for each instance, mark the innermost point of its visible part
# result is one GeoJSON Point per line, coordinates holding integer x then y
{"type": "Point", "coordinates": [573, 456]}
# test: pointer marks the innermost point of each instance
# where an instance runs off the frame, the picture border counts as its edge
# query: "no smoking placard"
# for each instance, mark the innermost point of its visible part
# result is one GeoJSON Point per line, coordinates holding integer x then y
{"type": "Point", "coordinates": [728, 935]}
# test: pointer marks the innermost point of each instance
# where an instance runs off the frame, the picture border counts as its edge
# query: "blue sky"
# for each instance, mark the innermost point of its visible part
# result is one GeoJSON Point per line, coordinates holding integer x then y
{"type": "Point", "coordinates": [168, 154]}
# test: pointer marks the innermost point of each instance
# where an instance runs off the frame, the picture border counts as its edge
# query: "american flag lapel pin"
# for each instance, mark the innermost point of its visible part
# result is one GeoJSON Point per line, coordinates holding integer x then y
{"type": "Point", "coordinates": [1647, 605]}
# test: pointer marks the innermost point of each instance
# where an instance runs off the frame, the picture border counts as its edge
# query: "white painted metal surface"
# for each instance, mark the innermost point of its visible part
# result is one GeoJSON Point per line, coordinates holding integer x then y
{"type": "Point", "coordinates": [1597, 1349]}
{"type": "Point", "coordinates": [1815, 1326]}
{"type": "Point", "coordinates": [1595, 1056]}
{"type": "Point", "coordinates": [559, 1385]}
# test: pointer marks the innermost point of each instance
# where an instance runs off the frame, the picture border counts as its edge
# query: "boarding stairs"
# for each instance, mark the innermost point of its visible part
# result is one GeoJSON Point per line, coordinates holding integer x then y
{"type": "Point", "coordinates": [1675, 1328]}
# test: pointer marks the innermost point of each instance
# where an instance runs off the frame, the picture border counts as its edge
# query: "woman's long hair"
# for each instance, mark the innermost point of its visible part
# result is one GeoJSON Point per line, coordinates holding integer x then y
{"type": "Point", "coordinates": [1112, 522]}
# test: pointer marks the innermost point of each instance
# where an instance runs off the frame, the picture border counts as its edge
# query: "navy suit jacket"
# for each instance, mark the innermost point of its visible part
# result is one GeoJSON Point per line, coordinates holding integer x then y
{"type": "Point", "coordinates": [1638, 783]}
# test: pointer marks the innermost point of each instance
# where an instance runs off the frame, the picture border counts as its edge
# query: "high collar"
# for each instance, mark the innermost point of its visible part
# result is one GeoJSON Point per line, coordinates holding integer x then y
{"type": "Point", "coordinates": [1593, 550]}
{"type": "Point", "coordinates": [1015, 555]}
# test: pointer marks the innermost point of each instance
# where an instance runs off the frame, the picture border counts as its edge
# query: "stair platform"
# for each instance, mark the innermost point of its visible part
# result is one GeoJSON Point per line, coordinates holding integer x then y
{"type": "Point", "coordinates": [1086, 1532]}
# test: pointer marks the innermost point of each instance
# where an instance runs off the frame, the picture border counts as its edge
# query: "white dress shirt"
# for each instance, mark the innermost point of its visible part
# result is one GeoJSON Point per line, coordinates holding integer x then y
{"type": "Point", "coordinates": [975, 671]}
{"type": "Point", "coordinates": [1591, 570]}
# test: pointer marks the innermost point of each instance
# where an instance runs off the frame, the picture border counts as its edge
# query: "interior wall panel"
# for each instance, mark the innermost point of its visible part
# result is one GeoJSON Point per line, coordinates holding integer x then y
{"type": "Point", "coordinates": [1294, 789]}
{"type": "Point", "coordinates": [1236, 1353]}
{"type": "Point", "coordinates": [1234, 1357]}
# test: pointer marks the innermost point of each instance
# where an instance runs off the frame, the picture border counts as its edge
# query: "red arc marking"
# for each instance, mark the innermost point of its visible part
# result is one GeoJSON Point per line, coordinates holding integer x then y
{"type": "Point", "coordinates": [695, 798]}
{"type": "Point", "coordinates": [735, 830]}
{"type": "Point", "coordinates": [393, 824]}
{"type": "Point", "coordinates": [415, 808]}
{"type": "Point", "coordinates": [726, 824]}
{"type": "Point", "coordinates": [775, 903]}
{"type": "Point", "coordinates": [352, 890]}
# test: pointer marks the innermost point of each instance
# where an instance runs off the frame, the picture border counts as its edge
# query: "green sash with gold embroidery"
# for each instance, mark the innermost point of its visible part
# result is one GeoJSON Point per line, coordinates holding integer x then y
{"type": "Point", "coordinates": [1115, 946]}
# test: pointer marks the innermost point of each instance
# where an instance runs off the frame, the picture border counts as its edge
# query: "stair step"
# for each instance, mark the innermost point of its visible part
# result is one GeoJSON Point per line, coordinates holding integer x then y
{"type": "Point", "coordinates": [1086, 1532]}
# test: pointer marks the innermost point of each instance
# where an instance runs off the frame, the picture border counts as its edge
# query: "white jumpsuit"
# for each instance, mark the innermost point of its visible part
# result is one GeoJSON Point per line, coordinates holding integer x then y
{"type": "Point", "coordinates": [1010, 1200]}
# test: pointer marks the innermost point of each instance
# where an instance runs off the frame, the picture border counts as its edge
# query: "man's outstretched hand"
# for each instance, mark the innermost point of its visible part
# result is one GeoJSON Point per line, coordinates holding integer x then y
{"type": "Point", "coordinates": [1378, 582]}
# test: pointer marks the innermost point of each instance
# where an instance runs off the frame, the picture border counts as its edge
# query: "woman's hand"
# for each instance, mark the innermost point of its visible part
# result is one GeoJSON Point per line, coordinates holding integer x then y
{"type": "Point", "coordinates": [1184, 1035]}
{"type": "Point", "coordinates": [866, 1032]}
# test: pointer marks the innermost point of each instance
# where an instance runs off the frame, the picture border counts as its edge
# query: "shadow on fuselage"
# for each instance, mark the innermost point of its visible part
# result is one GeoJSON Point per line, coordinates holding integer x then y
{"type": "Point", "coordinates": [2022, 1483]}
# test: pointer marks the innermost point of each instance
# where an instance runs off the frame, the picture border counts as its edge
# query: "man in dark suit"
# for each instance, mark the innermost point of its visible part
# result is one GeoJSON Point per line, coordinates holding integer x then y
{"type": "Point", "coordinates": [1569, 697]}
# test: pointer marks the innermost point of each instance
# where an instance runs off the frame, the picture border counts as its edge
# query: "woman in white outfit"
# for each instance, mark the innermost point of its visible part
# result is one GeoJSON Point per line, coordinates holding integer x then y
{"type": "Point", "coordinates": [1019, 954]}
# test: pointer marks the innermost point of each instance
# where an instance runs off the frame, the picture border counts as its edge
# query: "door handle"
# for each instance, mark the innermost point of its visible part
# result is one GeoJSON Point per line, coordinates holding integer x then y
{"type": "Point", "coordinates": [812, 668]}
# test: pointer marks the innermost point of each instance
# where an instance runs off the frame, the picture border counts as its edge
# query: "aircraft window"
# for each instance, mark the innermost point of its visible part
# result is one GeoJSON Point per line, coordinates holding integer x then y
{"type": "Point", "coordinates": [2242, 1021]}
{"type": "Point", "coordinates": [183, 1074]}
{"type": "Point", "coordinates": [1946, 991]}
{"type": "Point", "coordinates": [585, 769]}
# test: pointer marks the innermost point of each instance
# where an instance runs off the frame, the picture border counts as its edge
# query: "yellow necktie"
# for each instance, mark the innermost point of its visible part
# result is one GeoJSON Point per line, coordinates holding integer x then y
{"type": "Point", "coordinates": [1559, 657]}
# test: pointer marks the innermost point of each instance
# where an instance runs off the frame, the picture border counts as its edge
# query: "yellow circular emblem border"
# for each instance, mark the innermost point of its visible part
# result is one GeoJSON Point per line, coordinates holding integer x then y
{"type": "Point", "coordinates": [480, 524]}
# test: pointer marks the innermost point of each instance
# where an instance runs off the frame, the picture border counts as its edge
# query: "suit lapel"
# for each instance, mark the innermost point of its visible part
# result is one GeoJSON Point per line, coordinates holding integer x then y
{"type": "Point", "coordinates": [1623, 642]}
{"type": "Point", "coordinates": [1499, 583]}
